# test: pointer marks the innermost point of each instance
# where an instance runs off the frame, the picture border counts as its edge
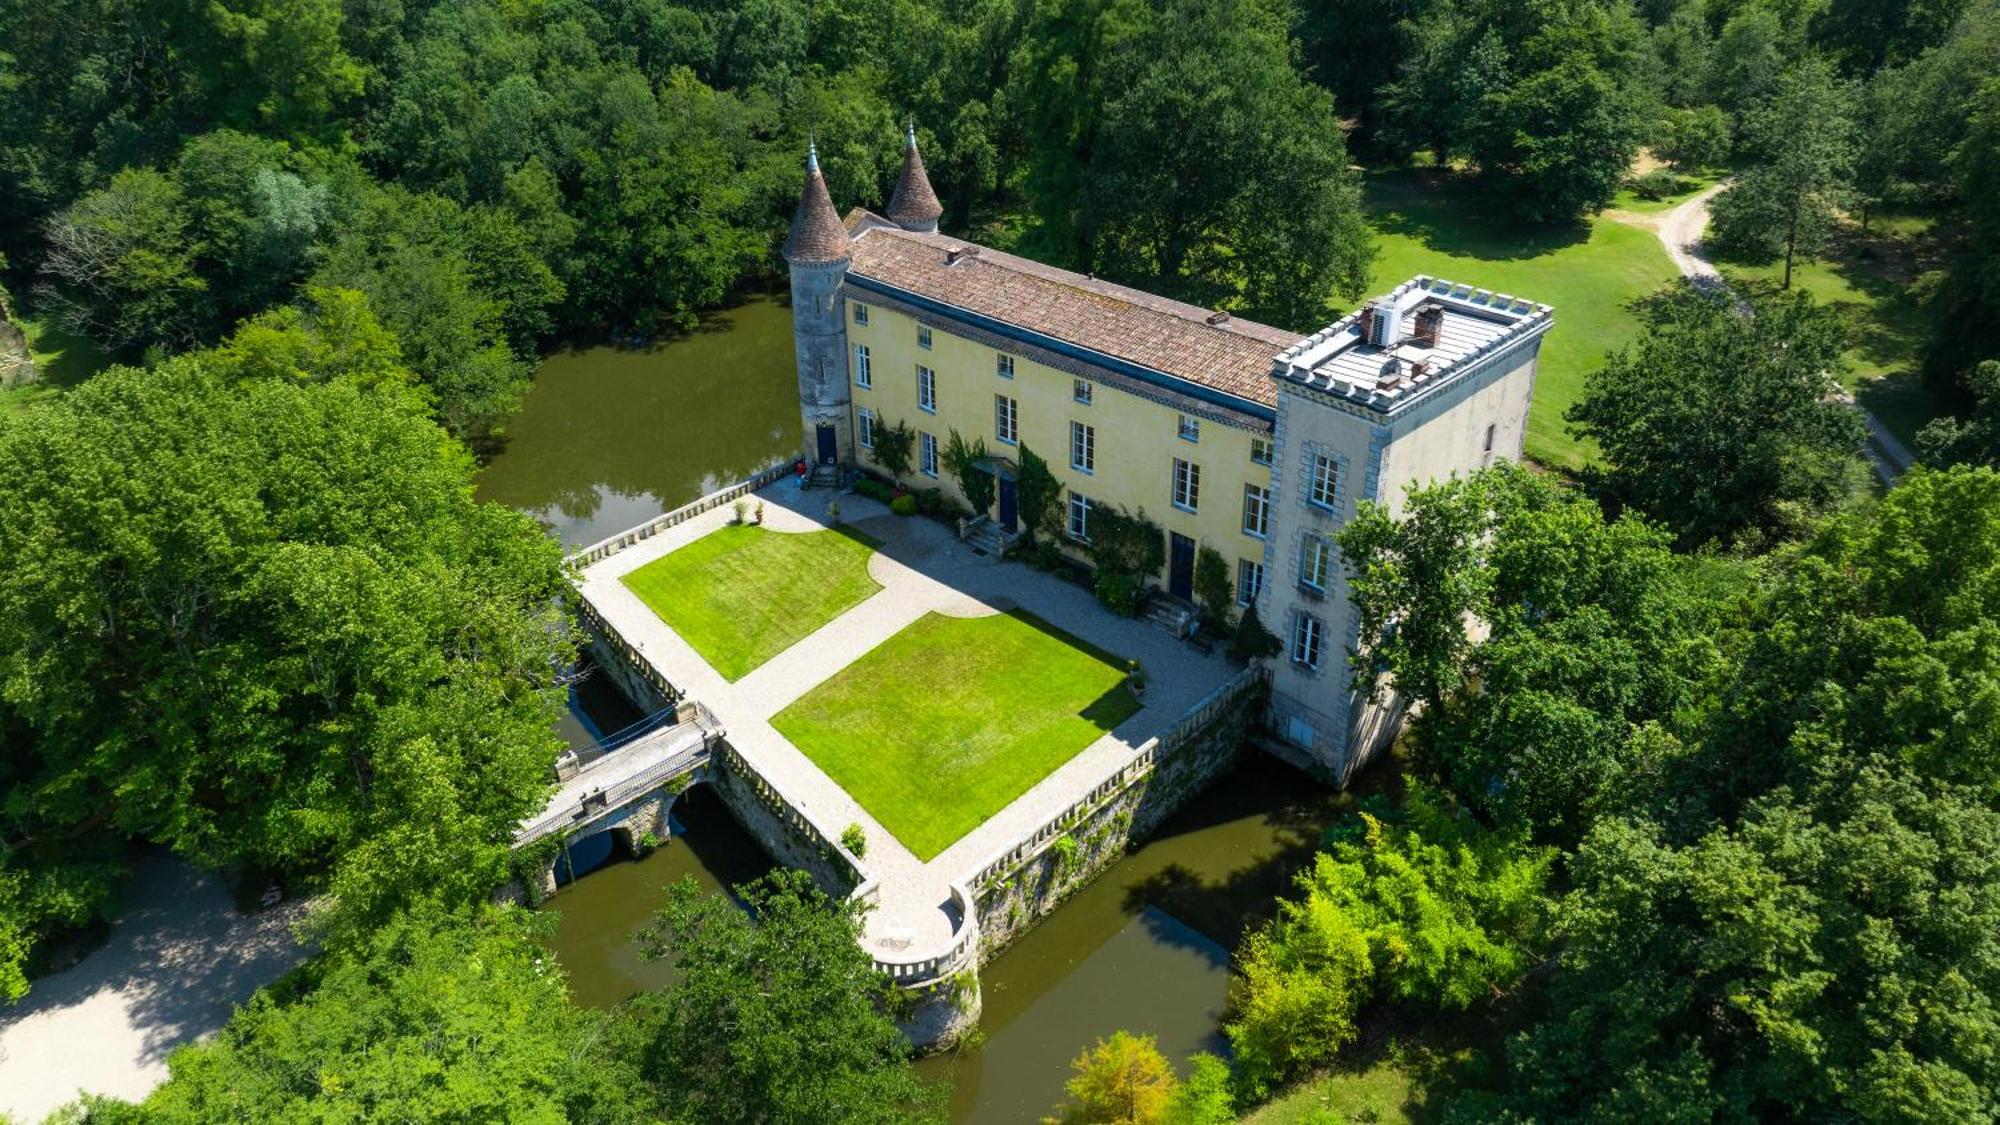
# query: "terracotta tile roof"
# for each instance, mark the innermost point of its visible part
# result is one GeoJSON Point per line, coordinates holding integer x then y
{"type": "Point", "coordinates": [914, 204]}
{"type": "Point", "coordinates": [1163, 335]}
{"type": "Point", "coordinates": [817, 234]}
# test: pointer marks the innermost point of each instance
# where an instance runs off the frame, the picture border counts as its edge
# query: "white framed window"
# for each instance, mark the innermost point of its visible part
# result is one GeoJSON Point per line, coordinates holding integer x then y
{"type": "Point", "coordinates": [1082, 447]}
{"type": "Point", "coordinates": [1004, 366]}
{"type": "Point", "coordinates": [924, 336]}
{"type": "Point", "coordinates": [1260, 451]}
{"type": "Point", "coordinates": [1315, 560]}
{"type": "Point", "coordinates": [1256, 511]}
{"type": "Point", "coordinates": [1079, 517]}
{"type": "Point", "coordinates": [865, 422]}
{"type": "Point", "coordinates": [1187, 485]}
{"type": "Point", "coordinates": [1080, 391]}
{"type": "Point", "coordinates": [864, 373]}
{"type": "Point", "coordinates": [926, 389]}
{"type": "Point", "coordinates": [1306, 640]}
{"type": "Point", "coordinates": [1006, 420]}
{"type": "Point", "coordinates": [1325, 484]}
{"type": "Point", "coordinates": [860, 313]}
{"type": "Point", "coordinates": [1190, 428]}
{"type": "Point", "coordinates": [926, 454]}
{"type": "Point", "coordinates": [1249, 581]}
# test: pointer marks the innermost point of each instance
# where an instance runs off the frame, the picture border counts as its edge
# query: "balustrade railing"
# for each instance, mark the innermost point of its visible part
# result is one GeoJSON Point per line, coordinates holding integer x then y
{"type": "Point", "coordinates": [1143, 762]}
{"type": "Point", "coordinates": [605, 548]}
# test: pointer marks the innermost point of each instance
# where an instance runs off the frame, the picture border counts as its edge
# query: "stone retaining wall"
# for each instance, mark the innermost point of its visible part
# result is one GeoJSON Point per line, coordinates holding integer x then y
{"type": "Point", "coordinates": [785, 833]}
{"type": "Point", "coordinates": [1024, 887]}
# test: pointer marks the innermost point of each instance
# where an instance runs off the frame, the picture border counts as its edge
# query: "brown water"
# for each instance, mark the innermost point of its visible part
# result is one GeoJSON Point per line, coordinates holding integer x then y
{"type": "Point", "coordinates": [610, 437]}
{"type": "Point", "coordinates": [1145, 948]}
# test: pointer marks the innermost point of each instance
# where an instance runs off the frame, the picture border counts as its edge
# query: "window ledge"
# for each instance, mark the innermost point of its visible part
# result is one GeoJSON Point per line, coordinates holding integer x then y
{"type": "Point", "coordinates": [1315, 592]}
{"type": "Point", "coordinates": [1180, 507]}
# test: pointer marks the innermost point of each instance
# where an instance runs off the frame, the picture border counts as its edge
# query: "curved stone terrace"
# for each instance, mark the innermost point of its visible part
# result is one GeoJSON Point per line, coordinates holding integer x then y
{"type": "Point", "coordinates": [920, 911]}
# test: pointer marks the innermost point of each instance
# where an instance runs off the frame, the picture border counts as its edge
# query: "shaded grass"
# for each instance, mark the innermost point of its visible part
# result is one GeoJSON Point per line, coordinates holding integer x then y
{"type": "Point", "coordinates": [947, 722]}
{"type": "Point", "coordinates": [1590, 272]}
{"type": "Point", "coordinates": [741, 594]}
{"type": "Point", "coordinates": [1866, 278]}
{"type": "Point", "coordinates": [62, 360]}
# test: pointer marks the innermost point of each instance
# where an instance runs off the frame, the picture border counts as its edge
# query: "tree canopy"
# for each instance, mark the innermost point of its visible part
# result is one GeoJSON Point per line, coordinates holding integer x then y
{"type": "Point", "coordinates": [1721, 423]}
{"type": "Point", "coordinates": [253, 614]}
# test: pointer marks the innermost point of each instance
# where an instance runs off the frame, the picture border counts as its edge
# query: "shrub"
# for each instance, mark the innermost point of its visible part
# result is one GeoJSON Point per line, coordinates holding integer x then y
{"type": "Point", "coordinates": [1118, 592]}
{"type": "Point", "coordinates": [931, 501]}
{"type": "Point", "coordinates": [742, 508]}
{"type": "Point", "coordinates": [1437, 911]}
{"type": "Point", "coordinates": [854, 840]}
{"type": "Point", "coordinates": [1657, 184]}
{"type": "Point", "coordinates": [964, 460]}
{"type": "Point", "coordinates": [893, 445]}
{"type": "Point", "coordinates": [1252, 641]}
{"type": "Point", "coordinates": [904, 505]}
{"type": "Point", "coordinates": [875, 490]}
{"type": "Point", "coordinates": [1212, 586]}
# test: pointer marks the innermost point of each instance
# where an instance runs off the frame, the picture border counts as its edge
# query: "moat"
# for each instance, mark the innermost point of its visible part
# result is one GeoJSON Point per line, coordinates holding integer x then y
{"type": "Point", "coordinates": [610, 437]}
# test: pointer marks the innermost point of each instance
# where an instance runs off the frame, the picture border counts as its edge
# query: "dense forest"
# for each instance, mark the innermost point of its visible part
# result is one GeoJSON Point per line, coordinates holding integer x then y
{"type": "Point", "coordinates": [1706, 824]}
{"type": "Point", "coordinates": [494, 176]}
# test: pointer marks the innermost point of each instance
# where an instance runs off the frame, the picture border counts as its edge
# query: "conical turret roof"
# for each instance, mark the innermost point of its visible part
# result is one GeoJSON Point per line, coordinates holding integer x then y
{"type": "Point", "coordinates": [817, 234]}
{"type": "Point", "coordinates": [914, 206]}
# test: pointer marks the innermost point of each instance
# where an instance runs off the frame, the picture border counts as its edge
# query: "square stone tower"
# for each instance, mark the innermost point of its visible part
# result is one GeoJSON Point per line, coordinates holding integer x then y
{"type": "Point", "coordinates": [1428, 382]}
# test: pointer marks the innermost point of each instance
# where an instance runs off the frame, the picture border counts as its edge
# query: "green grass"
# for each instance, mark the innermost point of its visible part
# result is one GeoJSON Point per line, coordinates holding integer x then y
{"type": "Point", "coordinates": [741, 595]}
{"type": "Point", "coordinates": [61, 359]}
{"type": "Point", "coordinates": [1691, 183]}
{"type": "Point", "coordinates": [1867, 279]}
{"type": "Point", "coordinates": [1404, 1078]}
{"type": "Point", "coordinates": [1591, 273]}
{"type": "Point", "coordinates": [947, 722]}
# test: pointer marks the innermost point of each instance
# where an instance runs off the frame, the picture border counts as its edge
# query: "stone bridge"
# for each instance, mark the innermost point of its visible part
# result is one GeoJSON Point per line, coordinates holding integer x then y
{"type": "Point", "coordinates": [628, 784]}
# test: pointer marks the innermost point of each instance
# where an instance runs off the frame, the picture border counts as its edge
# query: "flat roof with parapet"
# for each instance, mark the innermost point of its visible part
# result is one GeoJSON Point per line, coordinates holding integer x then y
{"type": "Point", "coordinates": [1184, 342]}
{"type": "Point", "coordinates": [1417, 337]}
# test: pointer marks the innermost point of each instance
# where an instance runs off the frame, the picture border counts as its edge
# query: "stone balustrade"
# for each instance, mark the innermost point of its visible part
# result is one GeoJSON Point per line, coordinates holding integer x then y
{"type": "Point", "coordinates": [605, 548]}
{"type": "Point", "coordinates": [1011, 857]}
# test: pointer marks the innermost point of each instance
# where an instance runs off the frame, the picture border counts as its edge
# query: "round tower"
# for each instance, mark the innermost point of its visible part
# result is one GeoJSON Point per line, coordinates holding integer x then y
{"type": "Point", "coordinates": [913, 205]}
{"type": "Point", "coordinates": [817, 251]}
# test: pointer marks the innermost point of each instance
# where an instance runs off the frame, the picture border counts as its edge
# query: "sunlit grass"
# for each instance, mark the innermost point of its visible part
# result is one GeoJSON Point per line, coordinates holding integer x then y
{"type": "Point", "coordinates": [947, 722]}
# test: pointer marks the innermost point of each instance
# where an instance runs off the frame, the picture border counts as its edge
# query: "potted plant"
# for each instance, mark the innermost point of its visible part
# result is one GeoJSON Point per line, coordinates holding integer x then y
{"type": "Point", "coordinates": [742, 510]}
{"type": "Point", "coordinates": [1135, 678]}
{"type": "Point", "coordinates": [760, 513]}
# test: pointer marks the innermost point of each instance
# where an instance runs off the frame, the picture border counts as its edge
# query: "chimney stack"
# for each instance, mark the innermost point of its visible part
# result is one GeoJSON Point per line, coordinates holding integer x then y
{"type": "Point", "coordinates": [1430, 320]}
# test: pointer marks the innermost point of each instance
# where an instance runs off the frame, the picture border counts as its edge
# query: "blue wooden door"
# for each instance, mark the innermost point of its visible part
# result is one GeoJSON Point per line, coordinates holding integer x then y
{"type": "Point", "coordinates": [1010, 505]}
{"type": "Point", "coordinates": [829, 452]}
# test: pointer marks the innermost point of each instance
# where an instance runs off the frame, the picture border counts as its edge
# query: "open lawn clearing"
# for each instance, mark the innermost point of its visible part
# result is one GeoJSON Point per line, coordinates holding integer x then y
{"type": "Point", "coordinates": [1441, 226]}
{"type": "Point", "coordinates": [743, 594]}
{"type": "Point", "coordinates": [947, 722]}
{"type": "Point", "coordinates": [1867, 278]}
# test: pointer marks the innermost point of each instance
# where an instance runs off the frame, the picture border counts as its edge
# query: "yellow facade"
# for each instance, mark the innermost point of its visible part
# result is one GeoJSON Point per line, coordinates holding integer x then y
{"type": "Point", "coordinates": [1136, 439]}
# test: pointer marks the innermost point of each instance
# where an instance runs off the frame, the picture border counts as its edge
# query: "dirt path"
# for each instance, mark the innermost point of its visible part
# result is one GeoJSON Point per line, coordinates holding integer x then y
{"type": "Point", "coordinates": [1680, 231]}
{"type": "Point", "coordinates": [177, 964]}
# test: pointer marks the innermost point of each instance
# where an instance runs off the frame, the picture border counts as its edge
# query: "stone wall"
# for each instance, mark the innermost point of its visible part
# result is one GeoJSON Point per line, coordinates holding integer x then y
{"type": "Point", "coordinates": [785, 833]}
{"type": "Point", "coordinates": [1024, 891]}
{"type": "Point", "coordinates": [636, 678]}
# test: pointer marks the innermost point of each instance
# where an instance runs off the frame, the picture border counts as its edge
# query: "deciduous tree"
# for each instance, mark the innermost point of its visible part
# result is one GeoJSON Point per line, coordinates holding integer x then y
{"type": "Point", "coordinates": [1721, 424]}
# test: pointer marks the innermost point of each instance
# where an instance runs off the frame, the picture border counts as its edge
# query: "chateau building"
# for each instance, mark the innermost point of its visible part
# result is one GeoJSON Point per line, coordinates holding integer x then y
{"type": "Point", "coordinates": [1251, 440]}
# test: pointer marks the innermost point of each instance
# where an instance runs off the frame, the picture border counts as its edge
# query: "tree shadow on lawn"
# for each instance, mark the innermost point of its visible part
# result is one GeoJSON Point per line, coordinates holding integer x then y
{"type": "Point", "coordinates": [1455, 214]}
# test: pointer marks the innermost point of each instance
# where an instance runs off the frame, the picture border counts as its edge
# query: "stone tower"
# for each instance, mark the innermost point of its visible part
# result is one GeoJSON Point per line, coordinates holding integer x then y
{"type": "Point", "coordinates": [913, 205]}
{"type": "Point", "coordinates": [818, 254]}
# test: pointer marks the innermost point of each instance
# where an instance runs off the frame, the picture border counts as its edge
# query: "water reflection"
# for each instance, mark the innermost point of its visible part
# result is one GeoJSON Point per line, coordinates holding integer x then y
{"type": "Point", "coordinates": [610, 437]}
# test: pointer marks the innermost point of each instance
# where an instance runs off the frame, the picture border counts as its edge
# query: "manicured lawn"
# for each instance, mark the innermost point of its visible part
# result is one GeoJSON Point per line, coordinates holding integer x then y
{"type": "Point", "coordinates": [1436, 225]}
{"type": "Point", "coordinates": [1867, 279]}
{"type": "Point", "coordinates": [948, 721]}
{"type": "Point", "coordinates": [741, 595]}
